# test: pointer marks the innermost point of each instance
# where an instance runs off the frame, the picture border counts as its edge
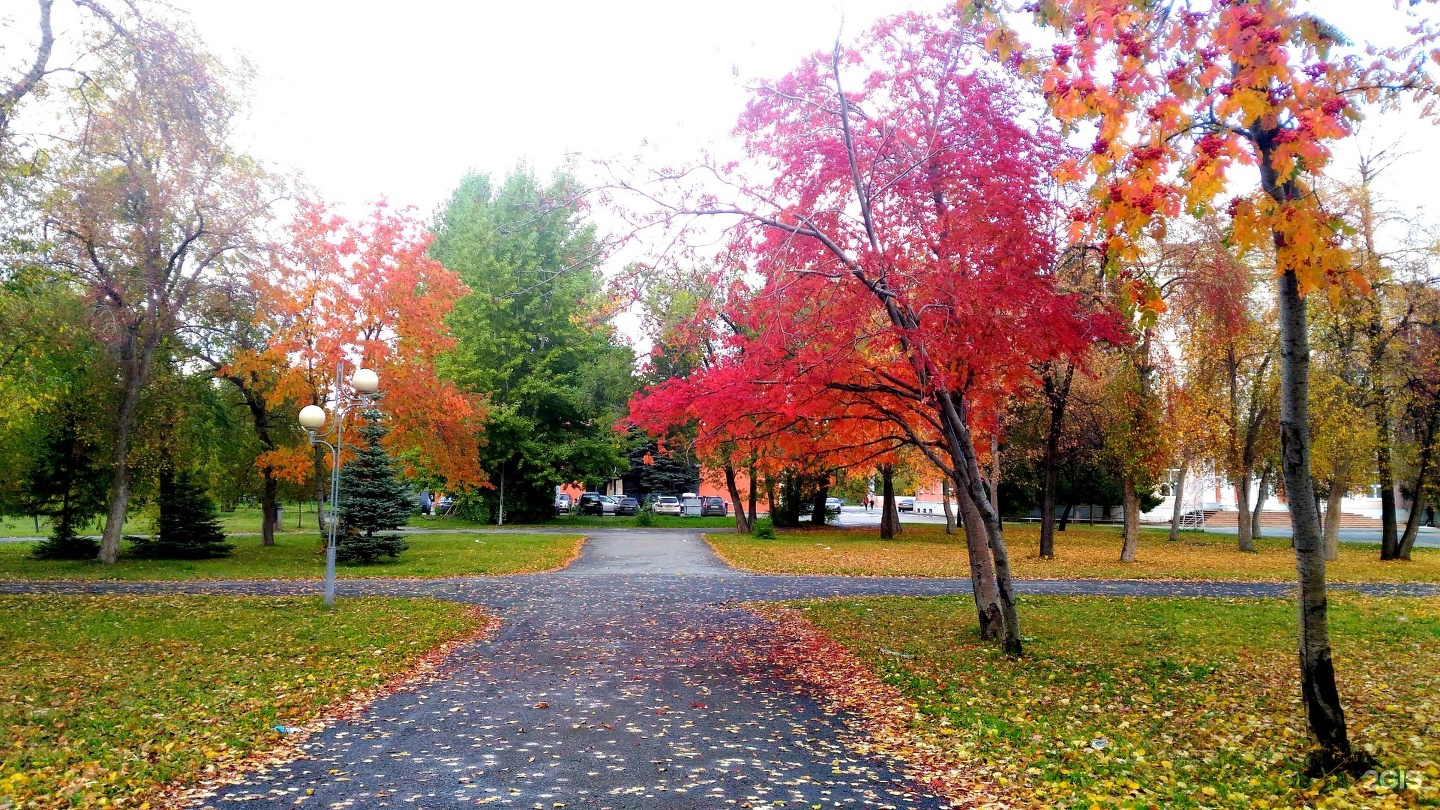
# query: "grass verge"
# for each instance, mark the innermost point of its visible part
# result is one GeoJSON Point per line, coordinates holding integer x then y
{"type": "Point", "coordinates": [105, 699]}
{"type": "Point", "coordinates": [1176, 703]}
{"type": "Point", "coordinates": [303, 557]}
{"type": "Point", "coordinates": [1081, 552]}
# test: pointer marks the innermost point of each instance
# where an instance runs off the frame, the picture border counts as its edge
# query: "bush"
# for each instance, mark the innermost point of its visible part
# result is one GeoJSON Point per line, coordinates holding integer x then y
{"type": "Point", "coordinates": [646, 516]}
{"type": "Point", "coordinates": [764, 529]}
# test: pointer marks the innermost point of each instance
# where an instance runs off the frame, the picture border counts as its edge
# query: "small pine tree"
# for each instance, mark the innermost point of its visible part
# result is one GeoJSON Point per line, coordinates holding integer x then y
{"type": "Point", "coordinates": [372, 499]}
{"type": "Point", "coordinates": [189, 524]}
{"type": "Point", "coordinates": [68, 482]}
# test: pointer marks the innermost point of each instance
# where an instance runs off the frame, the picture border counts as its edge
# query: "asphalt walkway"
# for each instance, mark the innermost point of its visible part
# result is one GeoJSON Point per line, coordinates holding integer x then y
{"type": "Point", "coordinates": [630, 679]}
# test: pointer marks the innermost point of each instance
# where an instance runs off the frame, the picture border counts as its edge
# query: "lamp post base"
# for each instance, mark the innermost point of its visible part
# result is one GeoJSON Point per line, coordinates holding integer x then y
{"type": "Point", "coordinates": [329, 574]}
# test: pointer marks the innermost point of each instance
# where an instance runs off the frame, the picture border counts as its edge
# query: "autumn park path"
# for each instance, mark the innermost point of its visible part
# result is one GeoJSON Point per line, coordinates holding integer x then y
{"type": "Point", "coordinates": [632, 678]}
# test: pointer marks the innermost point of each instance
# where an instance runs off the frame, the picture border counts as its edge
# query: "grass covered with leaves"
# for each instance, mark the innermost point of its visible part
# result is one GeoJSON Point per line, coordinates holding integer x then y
{"type": "Point", "coordinates": [1153, 702]}
{"type": "Point", "coordinates": [303, 557]}
{"type": "Point", "coordinates": [1081, 552]}
{"type": "Point", "coordinates": [103, 699]}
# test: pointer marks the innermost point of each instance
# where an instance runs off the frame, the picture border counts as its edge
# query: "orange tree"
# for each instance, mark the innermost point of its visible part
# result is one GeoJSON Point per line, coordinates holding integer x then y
{"type": "Point", "coordinates": [365, 292]}
{"type": "Point", "coordinates": [1181, 94]}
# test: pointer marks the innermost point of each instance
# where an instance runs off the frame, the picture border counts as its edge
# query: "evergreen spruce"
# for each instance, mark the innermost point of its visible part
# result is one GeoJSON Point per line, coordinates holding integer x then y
{"type": "Point", "coordinates": [189, 524]}
{"type": "Point", "coordinates": [68, 482]}
{"type": "Point", "coordinates": [373, 498]}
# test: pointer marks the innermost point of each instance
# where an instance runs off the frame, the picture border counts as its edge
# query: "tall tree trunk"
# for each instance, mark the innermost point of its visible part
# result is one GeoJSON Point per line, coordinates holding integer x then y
{"type": "Point", "coordinates": [1265, 474]}
{"type": "Point", "coordinates": [1179, 497]}
{"type": "Point", "coordinates": [742, 524]}
{"type": "Point", "coordinates": [269, 503]}
{"type": "Point", "coordinates": [995, 474]}
{"type": "Point", "coordinates": [1057, 392]}
{"type": "Point", "coordinates": [982, 570]}
{"type": "Point", "coordinates": [1418, 501]}
{"type": "Point", "coordinates": [817, 510]}
{"type": "Point", "coordinates": [949, 512]}
{"type": "Point", "coordinates": [1242, 505]}
{"type": "Point", "coordinates": [134, 380]}
{"type": "Point", "coordinates": [1065, 517]}
{"type": "Point", "coordinates": [752, 492]}
{"type": "Point", "coordinates": [1385, 473]}
{"type": "Point", "coordinates": [1130, 546]}
{"type": "Point", "coordinates": [1317, 669]}
{"type": "Point", "coordinates": [889, 512]}
{"type": "Point", "coordinates": [322, 486]}
{"type": "Point", "coordinates": [1338, 483]}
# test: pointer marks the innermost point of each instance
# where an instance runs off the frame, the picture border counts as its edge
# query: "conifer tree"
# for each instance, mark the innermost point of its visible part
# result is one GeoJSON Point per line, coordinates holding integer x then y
{"type": "Point", "coordinates": [189, 524]}
{"type": "Point", "coordinates": [373, 498]}
{"type": "Point", "coordinates": [67, 481]}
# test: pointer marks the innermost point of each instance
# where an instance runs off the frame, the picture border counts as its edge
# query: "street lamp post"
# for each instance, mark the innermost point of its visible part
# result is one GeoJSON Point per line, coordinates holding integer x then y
{"type": "Point", "coordinates": [312, 417]}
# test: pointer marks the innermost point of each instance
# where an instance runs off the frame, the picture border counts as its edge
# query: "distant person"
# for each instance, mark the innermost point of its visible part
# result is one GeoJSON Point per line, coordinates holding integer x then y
{"type": "Point", "coordinates": [1430, 516]}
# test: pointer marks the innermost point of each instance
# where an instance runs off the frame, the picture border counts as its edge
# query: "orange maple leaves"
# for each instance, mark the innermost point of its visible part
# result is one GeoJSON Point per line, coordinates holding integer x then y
{"type": "Point", "coordinates": [366, 293]}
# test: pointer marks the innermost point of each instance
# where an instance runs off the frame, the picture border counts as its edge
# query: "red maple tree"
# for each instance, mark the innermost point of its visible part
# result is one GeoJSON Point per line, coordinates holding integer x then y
{"type": "Point", "coordinates": [894, 220]}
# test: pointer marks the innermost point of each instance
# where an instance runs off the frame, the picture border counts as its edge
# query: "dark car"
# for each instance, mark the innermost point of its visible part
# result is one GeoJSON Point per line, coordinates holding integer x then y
{"type": "Point", "coordinates": [590, 504]}
{"type": "Point", "coordinates": [627, 506]}
{"type": "Point", "coordinates": [712, 506]}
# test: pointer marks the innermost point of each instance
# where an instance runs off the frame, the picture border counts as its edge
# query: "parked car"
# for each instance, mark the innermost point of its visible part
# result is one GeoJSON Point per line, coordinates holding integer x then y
{"type": "Point", "coordinates": [562, 504]}
{"type": "Point", "coordinates": [608, 504]}
{"type": "Point", "coordinates": [627, 506]}
{"type": "Point", "coordinates": [590, 503]}
{"type": "Point", "coordinates": [834, 503]}
{"type": "Point", "coordinates": [905, 504]}
{"type": "Point", "coordinates": [667, 505]}
{"type": "Point", "coordinates": [713, 506]}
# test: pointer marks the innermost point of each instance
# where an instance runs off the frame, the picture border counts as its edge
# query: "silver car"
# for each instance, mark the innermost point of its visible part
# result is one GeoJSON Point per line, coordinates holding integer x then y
{"type": "Point", "coordinates": [667, 505]}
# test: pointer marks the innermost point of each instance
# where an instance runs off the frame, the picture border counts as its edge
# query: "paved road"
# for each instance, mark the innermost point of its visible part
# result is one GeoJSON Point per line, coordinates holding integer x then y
{"type": "Point", "coordinates": [630, 679]}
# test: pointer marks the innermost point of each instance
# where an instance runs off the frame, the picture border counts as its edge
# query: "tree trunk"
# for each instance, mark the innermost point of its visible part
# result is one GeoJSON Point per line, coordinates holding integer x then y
{"type": "Point", "coordinates": [949, 512]}
{"type": "Point", "coordinates": [322, 486]}
{"type": "Point", "coordinates": [1179, 496]}
{"type": "Point", "coordinates": [120, 462]}
{"type": "Point", "coordinates": [889, 512]}
{"type": "Point", "coordinates": [1242, 505]}
{"type": "Point", "coordinates": [752, 494]}
{"type": "Point", "coordinates": [1065, 517]}
{"type": "Point", "coordinates": [1057, 391]}
{"type": "Point", "coordinates": [742, 525]}
{"type": "Point", "coordinates": [817, 510]}
{"type": "Point", "coordinates": [1418, 501]}
{"type": "Point", "coordinates": [1131, 544]}
{"type": "Point", "coordinates": [1317, 670]}
{"type": "Point", "coordinates": [1332, 511]}
{"type": "Point", "coordinates": [1385, 473]}
{"type": "Point", "coordinates": [995, 474]}
{"type": "Point", "coordinates": [982, 570]}
{"type": "Point", "coordinates": [269, 501]}
{"type": "Point", "coordinates": [1259, 502]}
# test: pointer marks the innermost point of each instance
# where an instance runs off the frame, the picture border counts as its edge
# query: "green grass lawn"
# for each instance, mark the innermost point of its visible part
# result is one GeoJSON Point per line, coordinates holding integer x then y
{"type": "Point", "coordinates": [104, 698]}
{"type": "Point", "coordinates": [1080, 552]}
{"type": "Point", "coordinates": [1175, 703]}
{"type": "Point", "coordinates": [297, 556]}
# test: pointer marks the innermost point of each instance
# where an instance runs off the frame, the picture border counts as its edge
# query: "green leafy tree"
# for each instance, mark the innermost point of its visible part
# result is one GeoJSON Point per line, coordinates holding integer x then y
{"type": "Point", "coordinates": [535, 336]}
{"type": "Point", "coordinates": [373, 498]}
{"type": "Point", "coordinates": [189, 525]}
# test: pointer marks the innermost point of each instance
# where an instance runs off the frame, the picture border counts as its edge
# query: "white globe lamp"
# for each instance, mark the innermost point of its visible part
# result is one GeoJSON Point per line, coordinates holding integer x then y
{"type": "Point", "coordinates": [312, 417]}
{"type": "Point", "coordinates": [366, 381]}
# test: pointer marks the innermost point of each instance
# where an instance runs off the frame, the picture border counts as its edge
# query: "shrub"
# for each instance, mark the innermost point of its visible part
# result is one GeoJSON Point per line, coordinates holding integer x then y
{"type": "Point", "coordinates": [764, 529]}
